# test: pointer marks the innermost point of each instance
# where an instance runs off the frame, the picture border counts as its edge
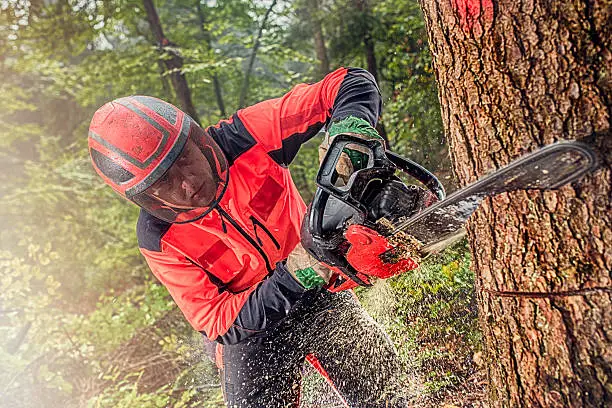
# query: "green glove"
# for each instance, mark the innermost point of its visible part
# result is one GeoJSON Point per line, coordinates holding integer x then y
{"type": "Point", "coordinates": [358, 126]}
{"type": "Point", "coordinates": [306, 269]}
{"type": "Point", "coordinates": [309, 278]}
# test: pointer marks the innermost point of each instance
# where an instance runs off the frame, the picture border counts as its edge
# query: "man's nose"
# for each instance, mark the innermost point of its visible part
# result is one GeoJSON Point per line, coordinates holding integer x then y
{"type": "Point", "coordinates": [189, 185]}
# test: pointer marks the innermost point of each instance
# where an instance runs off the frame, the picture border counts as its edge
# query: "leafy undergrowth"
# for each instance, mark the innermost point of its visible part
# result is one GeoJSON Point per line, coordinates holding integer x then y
{"type": "Point", "coordinates": [431, 315]}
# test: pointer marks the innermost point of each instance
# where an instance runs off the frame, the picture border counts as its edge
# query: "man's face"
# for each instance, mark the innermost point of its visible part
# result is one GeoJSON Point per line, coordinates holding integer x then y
{"type": "Point", "coordinates": [189, 183]}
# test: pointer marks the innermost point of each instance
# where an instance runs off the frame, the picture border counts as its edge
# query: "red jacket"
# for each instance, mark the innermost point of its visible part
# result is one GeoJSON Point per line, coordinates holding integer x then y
{"type": "Point", "coordinates": [225, 271]}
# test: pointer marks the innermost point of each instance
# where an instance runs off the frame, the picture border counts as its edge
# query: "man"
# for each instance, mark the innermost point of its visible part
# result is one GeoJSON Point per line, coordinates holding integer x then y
{"type": "Point", "coordinates": [220, 228]}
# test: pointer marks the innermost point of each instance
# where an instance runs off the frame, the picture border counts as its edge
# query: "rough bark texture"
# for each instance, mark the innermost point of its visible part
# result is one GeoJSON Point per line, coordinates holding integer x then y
{"type": "Point", "coordinates": [174, 64]}
{"type": "Point", "coordinates": [513, 76]}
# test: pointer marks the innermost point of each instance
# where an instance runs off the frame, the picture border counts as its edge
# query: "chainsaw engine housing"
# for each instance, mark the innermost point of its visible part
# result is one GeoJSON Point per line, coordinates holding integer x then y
{"type": "Point", "coordinates": [395, 201]}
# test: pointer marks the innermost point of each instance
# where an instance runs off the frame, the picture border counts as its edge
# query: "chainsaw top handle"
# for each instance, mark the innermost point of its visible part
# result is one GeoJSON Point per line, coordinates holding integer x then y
{"type": "Point", "coordinates": [381, 164]}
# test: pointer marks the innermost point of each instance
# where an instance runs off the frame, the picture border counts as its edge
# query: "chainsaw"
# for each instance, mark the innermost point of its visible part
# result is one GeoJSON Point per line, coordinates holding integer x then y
{"type": "Point", "coordinates": [380, 223]}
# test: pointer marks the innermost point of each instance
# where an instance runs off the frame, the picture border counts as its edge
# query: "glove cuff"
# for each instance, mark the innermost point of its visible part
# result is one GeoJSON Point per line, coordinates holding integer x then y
{"type": "Point", "coordinates": [353, 124]}
{"type": "Point", "coordinates": [309, 278]}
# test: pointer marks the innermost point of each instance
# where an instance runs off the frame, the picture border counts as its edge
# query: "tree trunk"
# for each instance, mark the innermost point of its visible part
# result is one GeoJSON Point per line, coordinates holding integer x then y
{"type": "Point", "coordinates": [319, 39]}
{"type": "Point", "coordinates": [206, 37]}
{"type": "Point", "coordinates": [514, 76]}
{"type": "Point", "coordinates": [247, 75]}
{"type": "Point", "coordinates": [370, 54]}
{"type": "Point", "coordinates": [174, 64]}
{"type": "Point", "coordinates": [13, 345]}
{"type": "Point", "coordinates": [368, 41]}
{"type": "Point", "coordinates": [165, 83]}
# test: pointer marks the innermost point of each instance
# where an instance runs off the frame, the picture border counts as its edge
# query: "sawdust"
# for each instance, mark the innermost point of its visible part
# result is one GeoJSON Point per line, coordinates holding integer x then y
{"type": "Point", "coordinates": [405, 245]}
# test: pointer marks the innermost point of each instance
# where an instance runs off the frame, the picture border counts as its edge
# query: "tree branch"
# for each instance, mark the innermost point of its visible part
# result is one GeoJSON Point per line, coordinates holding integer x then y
{"type": "Point", "coordinates": [247, 74]}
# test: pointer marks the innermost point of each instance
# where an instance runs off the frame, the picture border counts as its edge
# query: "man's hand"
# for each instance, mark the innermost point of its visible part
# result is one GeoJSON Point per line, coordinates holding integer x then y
{"type": "Point", "coordinates": [306, 269]}
{"type": "Point", "coordinates": [353, 157]}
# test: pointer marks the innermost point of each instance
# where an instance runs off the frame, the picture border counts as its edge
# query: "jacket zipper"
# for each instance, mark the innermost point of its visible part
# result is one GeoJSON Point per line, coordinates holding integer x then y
{"type": "Point", "coordinates": [246, 236]}
{"type": "Point", "coordinates": [257, 223]}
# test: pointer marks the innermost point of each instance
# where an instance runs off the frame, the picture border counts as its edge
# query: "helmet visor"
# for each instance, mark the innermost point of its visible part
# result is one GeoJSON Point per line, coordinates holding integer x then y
{"type": "Point", "coordinates": [192, 185]}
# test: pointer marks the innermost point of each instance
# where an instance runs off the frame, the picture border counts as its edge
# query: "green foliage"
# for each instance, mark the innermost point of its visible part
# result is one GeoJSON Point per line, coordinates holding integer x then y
{"type": "Point", "coordinates": [412, 113]}
{"type": "Point", "coordinates": [115, 319]}
{"type": "Point", "coordinates": [124, 394]}
{"type": "Point", "coordinates": [75, 295]}
{"type": "Point", "coordinates": [430, 314]}
{"type": "Point", "coordinates": [436, 318]}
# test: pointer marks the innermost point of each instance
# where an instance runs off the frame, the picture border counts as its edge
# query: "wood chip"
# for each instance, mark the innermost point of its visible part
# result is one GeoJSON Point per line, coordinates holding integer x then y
{"type": "Point", "coordinates": [405, 245]}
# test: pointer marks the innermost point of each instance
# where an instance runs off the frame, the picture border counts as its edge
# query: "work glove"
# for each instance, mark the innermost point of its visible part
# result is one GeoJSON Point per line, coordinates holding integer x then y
{"type": "Point", "coordinates": [307, 270]}
{"type": "Point", "coordinates": [351, 160]}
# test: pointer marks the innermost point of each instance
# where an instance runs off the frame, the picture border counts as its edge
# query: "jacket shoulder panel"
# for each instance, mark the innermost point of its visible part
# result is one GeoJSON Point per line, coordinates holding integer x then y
{"type": "Point", "coordinates": [233, 137]}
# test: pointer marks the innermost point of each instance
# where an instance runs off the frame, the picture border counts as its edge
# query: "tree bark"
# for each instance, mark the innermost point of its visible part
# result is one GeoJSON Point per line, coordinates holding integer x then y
{"type": "Point", "coordinates": [174, 64]}
{"type": "Point", "coordinates": [514, 76]}
{"type": "Point", "coordinates": [247, 75]}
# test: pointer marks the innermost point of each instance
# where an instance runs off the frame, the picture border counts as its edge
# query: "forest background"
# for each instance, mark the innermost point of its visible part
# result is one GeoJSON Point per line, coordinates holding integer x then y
{"type": "Point", "coordinates": [82, 320]}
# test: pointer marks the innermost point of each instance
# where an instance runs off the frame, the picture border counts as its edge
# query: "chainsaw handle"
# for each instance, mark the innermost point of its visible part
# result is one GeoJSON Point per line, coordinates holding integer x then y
{"type": "Point", "coordinates": [381, 163]}
{"type": "Point", "coordinates": [351, 192]}
{"type": "Point", "coordinates": [315, 213]}
{"type": "Point", "coordinates": [323, 246]}
{"type": "Point", "coordinates": [419, 172]}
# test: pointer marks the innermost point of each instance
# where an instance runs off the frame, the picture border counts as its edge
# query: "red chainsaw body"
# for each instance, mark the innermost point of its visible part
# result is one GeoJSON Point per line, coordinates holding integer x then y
{"type": "Point", "coordinates": [366, 248]}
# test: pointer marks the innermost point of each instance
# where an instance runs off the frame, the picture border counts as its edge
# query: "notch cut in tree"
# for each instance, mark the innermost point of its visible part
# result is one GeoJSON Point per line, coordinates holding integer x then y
{"type": "Point", "coordinates": [513, 76]}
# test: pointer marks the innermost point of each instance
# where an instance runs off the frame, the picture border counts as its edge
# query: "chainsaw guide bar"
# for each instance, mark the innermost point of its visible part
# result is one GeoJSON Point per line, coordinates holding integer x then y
{"type": "Point", "coordinates": [545, 169]}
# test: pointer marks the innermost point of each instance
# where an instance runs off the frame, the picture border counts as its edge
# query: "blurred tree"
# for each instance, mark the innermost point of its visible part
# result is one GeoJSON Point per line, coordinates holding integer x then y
{"type": "Point", "coordinates": [411, 111]}
{"type": "Point", "coordinates": [366, 17]}
{"type": "Point", "coordinates": [314, 12]}
{"type": "Point", "coordinates": [256, 43]}
{"type": "Point", "coordinates": [206, 37]}
{"type": "Point", "coordinates": [172, 60]}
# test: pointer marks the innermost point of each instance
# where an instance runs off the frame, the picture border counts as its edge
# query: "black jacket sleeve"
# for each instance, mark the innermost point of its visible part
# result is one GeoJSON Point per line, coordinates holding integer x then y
{"type": "Point", "coordinates": [266, 307]}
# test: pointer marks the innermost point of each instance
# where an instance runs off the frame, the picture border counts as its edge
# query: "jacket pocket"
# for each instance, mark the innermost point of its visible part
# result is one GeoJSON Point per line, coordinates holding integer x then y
{"type": "Point", "coordinates": [223, 262]}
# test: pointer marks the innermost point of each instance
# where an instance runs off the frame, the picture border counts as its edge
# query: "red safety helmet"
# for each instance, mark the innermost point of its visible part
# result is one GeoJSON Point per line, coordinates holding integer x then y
{"type": "Point", "coordinates": [135, 141]}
